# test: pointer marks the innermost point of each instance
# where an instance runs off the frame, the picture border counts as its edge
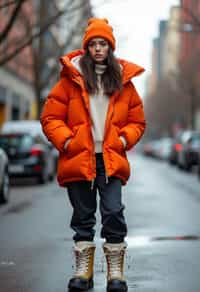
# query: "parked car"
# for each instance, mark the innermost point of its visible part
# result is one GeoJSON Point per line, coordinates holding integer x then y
{"type": "Point", "coordinates": [148, 148]}
{"type": "Point", "coordinates": [163, 147]}
{"type": "Point", "coordinates": [190, 153]}
{"type": "Point", "coordinates": [188, 156]}
{"type": "Point", "coordinates": [177, 145]}
{"type": "Point", "coordinates": [4, 178]}
{"type": "Point", "coordinates": [29, 152]}
{"type": "Point", "coordinates": [159, 148]}
{"type": "Point", "coordinates": [198, 167]}
{"type": "Point", "coordinates": [27, 126]}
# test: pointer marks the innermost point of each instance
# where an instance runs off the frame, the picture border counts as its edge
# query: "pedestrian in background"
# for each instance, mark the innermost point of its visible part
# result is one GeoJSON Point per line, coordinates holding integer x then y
{"type": "Point", "coordinates": [93, 116]}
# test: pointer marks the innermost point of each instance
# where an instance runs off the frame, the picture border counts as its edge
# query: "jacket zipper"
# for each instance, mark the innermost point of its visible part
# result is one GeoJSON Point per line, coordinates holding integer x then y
{"type": "Point", "coordinates": [93, 153]}
{"type": "Point", "coordinates": [92, 184]}
{"type": "Point", "coordinates": [106, 176]}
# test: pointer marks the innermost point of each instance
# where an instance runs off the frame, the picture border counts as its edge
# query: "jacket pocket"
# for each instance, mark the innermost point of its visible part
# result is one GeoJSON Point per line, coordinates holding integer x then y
{"type": "Point", "coordinates": [78, 142]}
{"type": "Point", "coordinates": [116, 143]}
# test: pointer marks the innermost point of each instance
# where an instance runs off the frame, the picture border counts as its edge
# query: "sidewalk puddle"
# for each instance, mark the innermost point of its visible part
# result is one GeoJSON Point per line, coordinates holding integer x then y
{"type": "Point", "coordinates": [7, 263]}
{"type": "Point", "coordinates": [18, 207]}
{"type": "Point", "coordinates": [138, 241]}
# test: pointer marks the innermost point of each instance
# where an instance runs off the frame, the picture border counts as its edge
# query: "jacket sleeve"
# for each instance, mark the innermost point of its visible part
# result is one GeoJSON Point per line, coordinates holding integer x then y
{"type": "Point", "coordinates": [136, 124]}
{"type": "Point", "coordinates": [54, 115]}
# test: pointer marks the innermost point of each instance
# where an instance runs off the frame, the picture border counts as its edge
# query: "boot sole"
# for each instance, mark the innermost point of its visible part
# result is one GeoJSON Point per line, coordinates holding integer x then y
{"type": "Point", "coordinates": [117, 286]}
{"type": "Point", "coordinates": [78, 284]}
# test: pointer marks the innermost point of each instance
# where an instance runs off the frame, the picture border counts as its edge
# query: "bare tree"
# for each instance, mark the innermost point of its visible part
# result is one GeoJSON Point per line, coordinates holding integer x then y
{"type": "Point", "coordinates": [42, 43]}
{"type": "Point", "coordinates": [12, 18]}
{"type": "Point", "coordinates": [36, 31]}
{"type": "Point", "coordinates": [43, 56]}
{"type": "Point", "coordinates": [165, 108]}
{"type": "Point", "coordinates": [188, 85]}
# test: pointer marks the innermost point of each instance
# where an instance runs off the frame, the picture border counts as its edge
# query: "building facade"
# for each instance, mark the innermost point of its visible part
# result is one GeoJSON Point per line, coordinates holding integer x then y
{"type": "Point", "coordinates": [190, 56]}
{"type": "Point", "coordinates": [16, 91]}
{"type": "Point", "coordinates": [171, 50]}
{"type": "Point", "coordinates": [27, 78]}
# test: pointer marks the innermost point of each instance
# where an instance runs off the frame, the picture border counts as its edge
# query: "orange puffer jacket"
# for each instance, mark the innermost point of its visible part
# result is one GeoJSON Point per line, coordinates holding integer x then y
{"type": "Point", "coordinates": [66, 114]}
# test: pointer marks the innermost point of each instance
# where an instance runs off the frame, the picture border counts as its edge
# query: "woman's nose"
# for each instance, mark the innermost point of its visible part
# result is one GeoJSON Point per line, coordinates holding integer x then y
{"type": "Point", "coordinates": [97, 47]}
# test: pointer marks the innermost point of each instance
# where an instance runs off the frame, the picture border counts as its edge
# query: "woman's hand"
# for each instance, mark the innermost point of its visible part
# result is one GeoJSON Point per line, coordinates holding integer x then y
{"type": "Point", "coordinates": [123, 141]}
{"type": "Point", "coordinates": [66, 143]}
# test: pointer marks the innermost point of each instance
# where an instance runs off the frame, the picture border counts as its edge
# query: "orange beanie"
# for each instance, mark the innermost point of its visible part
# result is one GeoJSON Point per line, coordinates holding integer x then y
{"type": "Point", "coordinates": [98, 27]}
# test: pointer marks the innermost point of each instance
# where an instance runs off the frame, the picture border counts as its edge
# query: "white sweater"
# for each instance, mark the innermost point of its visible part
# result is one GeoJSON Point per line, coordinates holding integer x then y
{"type": "Point", "coordinates": [98, 107]}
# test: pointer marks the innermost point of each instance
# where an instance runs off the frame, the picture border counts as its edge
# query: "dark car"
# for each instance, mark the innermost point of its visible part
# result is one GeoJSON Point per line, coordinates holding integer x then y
{"type": "Point", "coordinates": [188, 156]}
{"type": "Point", "coordinates": [30, 126]}
{"type": "Point", "coordinates": [29, 155]}
{"type": "Point", "coordinates": [198, 168]}
{"type": "Point", "coordinates": [191, 151]}
{"type": "Point", "coordinates": [177, 146]}
{"type": "Point", "coordinates": [4, 178]}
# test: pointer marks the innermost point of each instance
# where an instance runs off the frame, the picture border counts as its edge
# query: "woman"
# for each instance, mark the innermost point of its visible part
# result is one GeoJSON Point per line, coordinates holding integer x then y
{"type": "Point", "coordinates": [93, 116]}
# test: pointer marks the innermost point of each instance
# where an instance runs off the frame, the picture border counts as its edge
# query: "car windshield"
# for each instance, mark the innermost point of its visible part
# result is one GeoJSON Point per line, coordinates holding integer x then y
{"type": "Point", "coordinates": [15, 141]}
{"type": "Point", "coordinates": [196, 140]}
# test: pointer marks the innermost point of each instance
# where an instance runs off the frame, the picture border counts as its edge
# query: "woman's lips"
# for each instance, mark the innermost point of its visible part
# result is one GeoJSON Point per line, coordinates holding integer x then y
{"type": "Point", "coordinates": [98, 56]}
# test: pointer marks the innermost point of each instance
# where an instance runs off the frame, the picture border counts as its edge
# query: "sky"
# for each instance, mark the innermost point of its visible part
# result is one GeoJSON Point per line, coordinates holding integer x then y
{"type": "Point", "coordinates": [135, 24]}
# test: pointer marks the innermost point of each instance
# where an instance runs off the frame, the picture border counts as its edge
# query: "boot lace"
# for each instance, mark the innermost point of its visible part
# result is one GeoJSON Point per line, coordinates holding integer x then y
{"type": "Point", "coordinates": [114, 261]}
{"type": "Point", "coordinates": [82, 262]}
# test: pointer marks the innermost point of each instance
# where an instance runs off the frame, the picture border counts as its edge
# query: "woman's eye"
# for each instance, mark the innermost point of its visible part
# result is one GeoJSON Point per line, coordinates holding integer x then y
{"type": "Point", "coordinates": [103, 44]}
{"type": "Point", "coordinates": [91, 44]}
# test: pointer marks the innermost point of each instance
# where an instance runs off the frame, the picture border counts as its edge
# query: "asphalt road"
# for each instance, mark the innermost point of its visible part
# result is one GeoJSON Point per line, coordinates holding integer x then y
{"type": "Point", "coordinates": [162, 211]}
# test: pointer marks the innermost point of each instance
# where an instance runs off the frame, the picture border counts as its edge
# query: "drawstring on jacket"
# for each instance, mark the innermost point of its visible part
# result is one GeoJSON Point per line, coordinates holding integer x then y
{"type": "Point", "coordinates": [93, 181]}
{"type": "Point", "coordinates": [92, 184]}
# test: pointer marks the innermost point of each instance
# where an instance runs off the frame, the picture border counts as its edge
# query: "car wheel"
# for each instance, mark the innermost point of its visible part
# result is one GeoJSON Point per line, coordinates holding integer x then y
{"type": "Point", "coordinates": [51, 177]}
{"type": "Point", "coordinates": [180, 166]}
{"type": "Point", "coordinates": [4, 191]}
{"type": "Point", "coordinates": [198, 172]}
{"type": "Point", "coordinates": [43, 178]}
{"type": "Point", "coordinates": [187, 167]}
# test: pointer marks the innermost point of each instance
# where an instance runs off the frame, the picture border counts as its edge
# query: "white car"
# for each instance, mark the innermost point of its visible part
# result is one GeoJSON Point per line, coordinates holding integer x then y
{"type": "Point", "coordinates": [4, 177]}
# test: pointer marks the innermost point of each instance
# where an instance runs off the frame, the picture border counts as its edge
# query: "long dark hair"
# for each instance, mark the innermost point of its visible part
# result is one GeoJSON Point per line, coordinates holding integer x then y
{"type": "Point", "coordinates": [111, 78]}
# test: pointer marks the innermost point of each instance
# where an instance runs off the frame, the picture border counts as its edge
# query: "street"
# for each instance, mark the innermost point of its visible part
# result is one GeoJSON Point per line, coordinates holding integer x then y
{"type": "Point", "coordinates": [162, 211]}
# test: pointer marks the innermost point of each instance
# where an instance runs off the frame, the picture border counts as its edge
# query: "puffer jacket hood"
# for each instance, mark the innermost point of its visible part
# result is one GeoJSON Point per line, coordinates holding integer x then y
{"type": "Point", "coordinates": [67, 115]}
{"type": "Point", "coordinates": [129, 69]}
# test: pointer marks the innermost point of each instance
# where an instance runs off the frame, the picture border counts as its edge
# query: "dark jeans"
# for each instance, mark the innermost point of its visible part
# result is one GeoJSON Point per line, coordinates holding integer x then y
{"type": "Point", "coordinates": [84, 203]}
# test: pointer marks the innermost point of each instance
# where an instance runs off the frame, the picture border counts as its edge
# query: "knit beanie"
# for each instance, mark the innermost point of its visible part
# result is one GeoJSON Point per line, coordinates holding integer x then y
{"type": "Point", "coordinates": [98, 27]}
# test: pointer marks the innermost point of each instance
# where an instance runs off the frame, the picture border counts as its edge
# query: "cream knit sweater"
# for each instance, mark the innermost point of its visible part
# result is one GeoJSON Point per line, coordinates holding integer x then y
{"type": "Point", "coordinates": [98, 108]}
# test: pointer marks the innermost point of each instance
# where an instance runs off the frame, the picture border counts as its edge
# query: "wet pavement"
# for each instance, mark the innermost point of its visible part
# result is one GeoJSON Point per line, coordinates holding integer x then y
{"type": "Point", "coordinates": [162, 211]}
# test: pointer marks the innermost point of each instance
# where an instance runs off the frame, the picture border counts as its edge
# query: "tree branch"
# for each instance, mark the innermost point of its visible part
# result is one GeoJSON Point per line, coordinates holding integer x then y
{"type": "Point", "coordinates": [39, 33]}
{"type": "Point", "coordinates": [11, 21]}
{"type": "Point", "coordinates": [8, 4]}
{"type": "Point", "coordinates": [53, 69]}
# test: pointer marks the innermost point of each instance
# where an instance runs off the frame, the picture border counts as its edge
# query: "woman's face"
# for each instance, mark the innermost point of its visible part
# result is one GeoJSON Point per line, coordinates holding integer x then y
{"type": "Point", "coordinates": [98, 49]}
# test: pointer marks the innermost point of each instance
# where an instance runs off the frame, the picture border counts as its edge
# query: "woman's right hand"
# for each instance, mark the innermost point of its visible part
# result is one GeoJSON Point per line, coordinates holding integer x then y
{"type": "Point", "coordinates": [66, 143]}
